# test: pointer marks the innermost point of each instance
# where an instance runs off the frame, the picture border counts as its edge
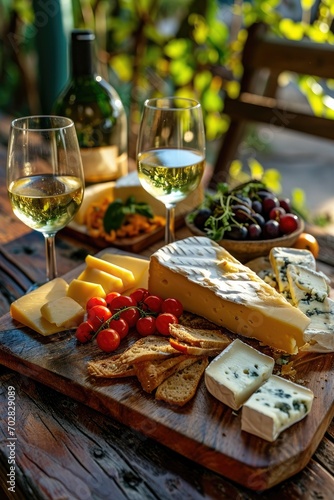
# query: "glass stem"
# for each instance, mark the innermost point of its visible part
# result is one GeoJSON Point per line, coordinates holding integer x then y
{"type": "Point", "coordinates": [50, 252]}
{"type": "Point", "coordinates": [170, 224]}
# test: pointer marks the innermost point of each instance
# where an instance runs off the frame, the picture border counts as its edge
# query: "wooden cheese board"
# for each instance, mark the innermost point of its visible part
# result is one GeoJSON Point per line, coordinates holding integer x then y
{"type": "Point", "coordinates": [204, 430]}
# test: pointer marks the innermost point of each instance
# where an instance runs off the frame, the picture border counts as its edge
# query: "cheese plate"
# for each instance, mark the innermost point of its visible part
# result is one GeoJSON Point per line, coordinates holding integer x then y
{"type": "Point", "coordinates": [204, 430]}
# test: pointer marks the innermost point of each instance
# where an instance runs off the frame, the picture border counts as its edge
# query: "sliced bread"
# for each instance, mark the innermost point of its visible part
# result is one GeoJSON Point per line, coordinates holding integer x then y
{"type": "Point", "coordinates": [152, 373]}
{"type": "Point", "coordinates": [199, 337]}
{"type": "Point", "coordinates": [181, 387]}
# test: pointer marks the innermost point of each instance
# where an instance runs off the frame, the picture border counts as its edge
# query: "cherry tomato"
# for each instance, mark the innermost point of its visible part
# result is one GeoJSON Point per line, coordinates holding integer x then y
{"type": "Point", "coordinates": [131, 316]}
{"type": "Point", "coordinates": [146, 326]}
{"type": "Point", "coordinates": [97, 315]}
{"type": "Point", "coordinates": [154, 303]}
{"type": "Point", "coordinates": [84, 332]}
{"type": "Point", "coordinates": [172, 306]}
{"type": "Point", "coordinates": [140, 294]}
{"type": "Point", "coordinates": [120, 302]}
{"type": "Point", "coordinates": [163, 321]}
{"type": "Point", "coordinates": [120, 325]}
{"type": "Point", "coordinates": [110, 296]}
{"type": "Point", "coordinates": [108, 340]}
{"type": "Point", "coordinates": [308, 242]}
{"type": "Point", "coordinates": [95, 301]}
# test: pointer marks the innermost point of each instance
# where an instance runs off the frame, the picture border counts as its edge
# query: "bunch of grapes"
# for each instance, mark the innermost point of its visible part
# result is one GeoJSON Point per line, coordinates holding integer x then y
{"type": "Point", "coordinates": [248, 212]}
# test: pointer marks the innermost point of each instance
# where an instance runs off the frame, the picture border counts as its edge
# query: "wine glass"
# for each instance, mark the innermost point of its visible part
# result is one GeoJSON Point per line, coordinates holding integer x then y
{"type": "Point", "coordinates": [171, 152]}
{"type": "Point", "coordinates": [45, 179]}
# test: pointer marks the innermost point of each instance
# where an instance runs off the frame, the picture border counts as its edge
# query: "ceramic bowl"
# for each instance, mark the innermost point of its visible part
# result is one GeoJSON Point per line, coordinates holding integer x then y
{"type": "Point", "coordinates": [246, 250]}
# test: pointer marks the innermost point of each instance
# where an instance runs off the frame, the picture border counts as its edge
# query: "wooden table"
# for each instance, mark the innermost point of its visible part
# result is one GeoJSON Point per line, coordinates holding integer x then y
{"type": "Point", "coordinates": [65, 449]}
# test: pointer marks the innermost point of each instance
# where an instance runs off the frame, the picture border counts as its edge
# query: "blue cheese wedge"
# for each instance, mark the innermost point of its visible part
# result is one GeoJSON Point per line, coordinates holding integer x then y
{"type": "Point", "coordinates": [275, 406]}
{"type": "Point", "coordinates": [307, 287]}
{"type": "Point", "coordinates": [211, 283]}
{"type": "Point", "coordinates": [309, 291]}
{"type": "Point", "coordinates": [236, 373]}
{"type": "Point", "coordinates": [281, 257]}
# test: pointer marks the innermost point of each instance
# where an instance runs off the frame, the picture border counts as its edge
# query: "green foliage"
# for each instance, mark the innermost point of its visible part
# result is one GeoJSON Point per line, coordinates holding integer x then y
{"type": "Point", "coordinates": [157, 47]}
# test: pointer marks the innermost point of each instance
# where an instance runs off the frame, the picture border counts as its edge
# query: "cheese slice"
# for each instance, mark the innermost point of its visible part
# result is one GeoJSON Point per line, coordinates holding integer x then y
{"type": "Point", "coordinates": [108, 282]}
{"type": "Point", "coordinates": [138, 267]}
{"type": "Point", "coordinates": [307, 287]}
{"type": "Point", "coordinates": [236, 373]}
{"type": "Point", "coordinates": [27, 309]}
{"type": "Point", "coordinates": [64, 312]}
{"type": "Point", "coordinates": [82, 291]}
{"type": "Point", "coordinates": [281, 257]}
{"type": "Point", "coordinates": [274, 407]}
{"type": "Point", "coordinates": [211, 283]}
{"type": "Point", "coordinates": [309, 291]}
{"type": "Point", "coordinates": [109, 267]}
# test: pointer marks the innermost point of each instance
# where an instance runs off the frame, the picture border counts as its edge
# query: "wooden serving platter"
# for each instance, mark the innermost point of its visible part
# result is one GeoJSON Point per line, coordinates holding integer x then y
{"type": "Point", "coordinates": [204, 430]}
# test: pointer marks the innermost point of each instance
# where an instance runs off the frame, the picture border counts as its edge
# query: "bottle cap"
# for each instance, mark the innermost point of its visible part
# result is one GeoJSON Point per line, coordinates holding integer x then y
{"type": "Point", "coordinates": [82, 52]}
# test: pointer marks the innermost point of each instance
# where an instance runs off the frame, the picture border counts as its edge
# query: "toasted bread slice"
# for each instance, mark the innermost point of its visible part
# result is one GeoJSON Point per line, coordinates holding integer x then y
{"type": "Point", "coordinates": [152, 373]}
{"type": "Point", "coordinates": [112, 367]}
{"type": "Point", "coordinates": [180, 388]}
{"type": "Point", "coordinates": [148, 348]}
{"type": "Point", "coordinates": [199, 337]}
{"type": "Point", "coordinates": [193, 350]}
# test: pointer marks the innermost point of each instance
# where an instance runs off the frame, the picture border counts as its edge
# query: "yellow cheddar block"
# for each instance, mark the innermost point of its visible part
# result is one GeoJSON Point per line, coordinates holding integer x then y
{"type": "Point", "coordinates": [27, 309]}
{"type": "Point", "coordinates": [82, 291]}
{"type": "Point", "coordinates": [123, 273]}
{"type": "Point", "coordinates": [139, 267]}
{"type": "Point", "coordinates": [64, 311]}
{"type": "Point", "coordinates": [211, 283]}
{"type": "Point", "coordinates": [108, 282]}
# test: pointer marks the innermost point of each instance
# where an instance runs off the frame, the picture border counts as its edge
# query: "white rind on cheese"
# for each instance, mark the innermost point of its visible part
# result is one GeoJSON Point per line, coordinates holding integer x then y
{"type": "Point", "coordinates": [236, 373]}
{"type": "Point", "coordinates": [211, 283]}
{"type": "Point", "coordinates": [281, 257]}
{"type": "Point", "coordinates": [274, 407]}
{"type": "Point", "coordinates": [27, 309]}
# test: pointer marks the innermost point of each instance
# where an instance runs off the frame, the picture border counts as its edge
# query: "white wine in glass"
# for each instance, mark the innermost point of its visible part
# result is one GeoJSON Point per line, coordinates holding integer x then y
{"type": "Point", "coordinates": [171, 152]}
{"type": "Point", "coordinates": [45, 179]}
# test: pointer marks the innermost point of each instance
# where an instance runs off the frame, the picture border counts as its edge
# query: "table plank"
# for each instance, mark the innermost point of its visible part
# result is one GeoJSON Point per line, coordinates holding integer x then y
{"type": "Point", "coordinates": [204, 430]}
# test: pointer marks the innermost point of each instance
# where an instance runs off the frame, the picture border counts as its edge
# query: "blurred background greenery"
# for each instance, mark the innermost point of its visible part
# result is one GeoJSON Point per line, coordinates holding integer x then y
{"type": "Point", "coordinates": [150, 47]}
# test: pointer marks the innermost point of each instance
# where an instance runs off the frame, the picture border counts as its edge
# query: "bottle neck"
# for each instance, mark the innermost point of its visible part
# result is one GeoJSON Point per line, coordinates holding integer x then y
{"type": "Point", "coordinates": [82, 53]}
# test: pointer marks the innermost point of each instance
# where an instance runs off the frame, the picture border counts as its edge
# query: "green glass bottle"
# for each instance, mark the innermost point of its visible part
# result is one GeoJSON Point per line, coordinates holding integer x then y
{"type": "Point", "coordinates": [98, 113]}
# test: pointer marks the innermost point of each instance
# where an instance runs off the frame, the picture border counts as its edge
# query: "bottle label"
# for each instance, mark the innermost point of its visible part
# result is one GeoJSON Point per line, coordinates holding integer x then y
{"type": "Point", "coordinates": [103, 164]}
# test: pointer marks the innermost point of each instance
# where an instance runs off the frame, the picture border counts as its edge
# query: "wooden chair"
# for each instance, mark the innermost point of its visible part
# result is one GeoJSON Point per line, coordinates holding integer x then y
{"type": "Point", "coordinates": [265, 53]}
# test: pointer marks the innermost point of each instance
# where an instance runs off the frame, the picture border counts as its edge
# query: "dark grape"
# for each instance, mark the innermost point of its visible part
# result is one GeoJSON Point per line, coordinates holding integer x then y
{"type": "Point", "coordinates": [271, 229]}
{"type": "Point", "coordinates": [257, 206]}
{"type": "Point", "coordinates": [254, 231]}
{"type": "Point", "coordinates": [288, 223]}
{"type": "Point", "coordinates": [241, 213]}
{"type": "Point", "coordinates": [259, 219]}
{"type": "Point", "coordinates": [237, 233]}
{"type": "Point", "coordinates": [276, 213]}
{"type": "Point", "coordinates": [201, 217]}
{"type": "Point", "coordinates": [285, 203]}
{"type": "Point", "coordinates": [244, 200]}
{"type": "Point", "coordinates": [269, 203]}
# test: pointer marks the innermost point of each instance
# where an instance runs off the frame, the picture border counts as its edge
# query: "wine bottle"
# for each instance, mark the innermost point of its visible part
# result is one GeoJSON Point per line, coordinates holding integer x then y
{"type": "Point", "coordinates": [97, 111]}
